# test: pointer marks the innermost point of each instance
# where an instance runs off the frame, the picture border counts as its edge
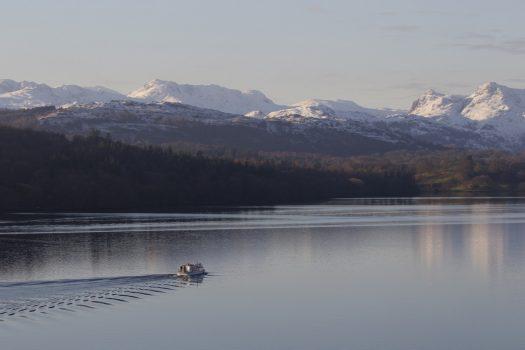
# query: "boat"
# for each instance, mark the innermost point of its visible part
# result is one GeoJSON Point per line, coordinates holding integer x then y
{"type": "Point", "coordinates": [190, 269]}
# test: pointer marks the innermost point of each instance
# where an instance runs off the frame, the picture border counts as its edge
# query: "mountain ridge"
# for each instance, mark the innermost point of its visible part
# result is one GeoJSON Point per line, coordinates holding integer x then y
{"type": "Point", "coordinates": [489, 100]}
{"type": "Point", "coordinates": [206, 96]}
{"type": "Point", "coordinates": [28, 94]}
{"type": "Point", "coordinates": [493, 116]}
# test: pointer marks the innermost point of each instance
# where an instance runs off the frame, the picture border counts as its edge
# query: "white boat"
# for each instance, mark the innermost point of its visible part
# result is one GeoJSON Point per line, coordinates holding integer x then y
{"type": "Point", "coordinates": [190, 269]}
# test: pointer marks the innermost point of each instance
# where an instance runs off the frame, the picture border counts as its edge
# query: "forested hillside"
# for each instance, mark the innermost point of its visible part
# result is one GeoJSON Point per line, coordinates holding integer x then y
{"type": "Point", "coordinates": [446, 172]}
{"type": "Point", "coordinates": [46, 171]}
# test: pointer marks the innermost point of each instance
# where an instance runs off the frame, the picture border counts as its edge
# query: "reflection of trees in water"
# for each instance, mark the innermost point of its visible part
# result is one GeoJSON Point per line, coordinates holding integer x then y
{"type": "Point", "coordinates": [430, 245]}
{"type": "Point", "coordinates": [483, 242]}
{"type": "Point", "coordinates": [466, 236]}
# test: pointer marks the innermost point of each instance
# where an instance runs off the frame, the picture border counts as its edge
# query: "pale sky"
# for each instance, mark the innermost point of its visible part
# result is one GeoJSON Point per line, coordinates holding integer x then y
{"type": "Point", "coordinates": [377, 53]}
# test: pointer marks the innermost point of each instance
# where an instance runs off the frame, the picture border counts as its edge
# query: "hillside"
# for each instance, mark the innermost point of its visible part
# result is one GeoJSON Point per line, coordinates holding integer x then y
{"type": "Point", "coordinates": [46, 171]}
{"type": "Point", "coordinates": [168, 123]}
{"type": "Point", "coordinates": [163, 113]}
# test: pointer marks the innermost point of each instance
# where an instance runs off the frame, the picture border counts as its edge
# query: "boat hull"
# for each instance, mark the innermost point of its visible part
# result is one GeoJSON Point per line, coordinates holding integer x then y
{"type": "Point", "coordinates": [191, 274]}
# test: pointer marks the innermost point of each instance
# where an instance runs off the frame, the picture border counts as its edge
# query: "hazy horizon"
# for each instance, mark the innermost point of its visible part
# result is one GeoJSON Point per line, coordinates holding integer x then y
{"type": "Point", "coordinates": [378, 54]}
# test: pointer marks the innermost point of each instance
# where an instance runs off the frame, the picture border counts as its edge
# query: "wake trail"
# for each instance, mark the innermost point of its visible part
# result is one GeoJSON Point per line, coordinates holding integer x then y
{"type": "Point", "coordinates": [33, 298]}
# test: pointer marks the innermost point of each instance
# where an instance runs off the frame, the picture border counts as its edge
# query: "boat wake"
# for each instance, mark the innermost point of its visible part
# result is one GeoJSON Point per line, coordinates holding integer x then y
{"type": "Point", "coordinates": [38, 298]}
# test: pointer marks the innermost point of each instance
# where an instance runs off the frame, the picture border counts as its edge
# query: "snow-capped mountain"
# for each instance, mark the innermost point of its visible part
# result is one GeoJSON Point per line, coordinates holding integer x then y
{"type": "Point", "coordinates": [131, 113]}
{"type": "Point", "coordinates": [327, 109]}
{"type": "Point", "coordinates": [167, 123]}
{"type": "Point", "coordinates": [489, 101]}
{"type": "Point", "coordinates": [346, 108]}
{"type": "Point", "coordinates": [435, 104]}
{"type": "Point", "coordinates": [491, 117]}
{"type": "Point", "coordinates": [27, 94]}
{"type": "Point", "coordinates": [164, 112]}
{"type": "Point", "coordinates": [205, 96]}
{"type": "Point", "coordinates": [492, 108]}
{"type": "Point", "coordinates": [492, 100]}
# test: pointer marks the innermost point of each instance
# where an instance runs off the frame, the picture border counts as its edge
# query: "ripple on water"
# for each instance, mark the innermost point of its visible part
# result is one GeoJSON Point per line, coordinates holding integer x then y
{"type": "Point", "coordinates": [37, 298]}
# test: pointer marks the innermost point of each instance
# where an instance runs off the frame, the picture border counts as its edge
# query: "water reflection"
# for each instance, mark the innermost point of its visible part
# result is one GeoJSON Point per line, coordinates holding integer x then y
{"type": "Point", "coordinates": [488, 246]}
{"type": "Point", "coordinates": [483, 235]}
{"type": "Point", "coordinates": [429, 245]}
{"type": "Point", "coordinates": [360, 274]}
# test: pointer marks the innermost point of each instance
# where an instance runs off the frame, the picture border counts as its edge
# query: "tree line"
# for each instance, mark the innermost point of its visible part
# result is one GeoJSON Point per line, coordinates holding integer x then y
{"type": "Point", "coordinates": [47, 171]}
{"type": "Point", "coordinates": [449, 171]}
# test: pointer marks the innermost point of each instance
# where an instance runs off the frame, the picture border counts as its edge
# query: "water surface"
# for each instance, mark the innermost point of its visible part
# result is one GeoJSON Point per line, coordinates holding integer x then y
{"type": "Point", "coordinates": [436, 273]}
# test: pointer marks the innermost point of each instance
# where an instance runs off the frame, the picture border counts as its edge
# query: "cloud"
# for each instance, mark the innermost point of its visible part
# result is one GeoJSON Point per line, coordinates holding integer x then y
{"type": "Point", "coordinates": [434, 12]}
{"type": "Point", "coordinates": [401, 28]}
{"type": "Point", "coordinates": [516, 80]}
{"type": "Point", "coordinates": [459, 85]}
{"type": "Point", "coordinates": [411, 86]}
{"type": "Point", "coordinates": [492, 40]}
{"type": "Point", "coordinates": [388, 13]}
{"type": "Point", "coordinates": [420, 86]}
{"type": "Point", "coordinates": [427, 12]}
{"type": "Point", "coordinates": [514, 46]}
{"type": "Point", "coordinates": [477, 36]}
{"type": "Point", "coordinates": [317, 9]}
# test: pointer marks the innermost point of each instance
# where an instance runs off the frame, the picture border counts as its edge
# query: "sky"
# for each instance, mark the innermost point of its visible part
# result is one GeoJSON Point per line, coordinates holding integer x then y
{"type": "Point", "coordinates": [377, 53]}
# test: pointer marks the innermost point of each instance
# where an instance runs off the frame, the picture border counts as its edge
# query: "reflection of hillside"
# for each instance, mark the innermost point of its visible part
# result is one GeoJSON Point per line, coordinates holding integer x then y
{"type": "Point", "coordinates": [430, 245]}
{"type": "Point", "coordinates": [484, 244]}
{"type": "Point", "coordinates": [483, 237]}
{"type": "Point", "coordinates": [426, 201]}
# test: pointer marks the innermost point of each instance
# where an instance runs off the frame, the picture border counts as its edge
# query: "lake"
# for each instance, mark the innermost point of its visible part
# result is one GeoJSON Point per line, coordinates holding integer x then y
{"type": "Point", "coordinates": [404, 273]}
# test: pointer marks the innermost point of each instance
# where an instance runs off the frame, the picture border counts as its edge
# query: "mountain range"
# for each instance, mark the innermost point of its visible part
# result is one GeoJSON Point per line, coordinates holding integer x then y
{"type": "Point", "coordinates": [163, 112]}
{"type": "Point", "coordinates": [205, 96]}
{"type": "Point", "coordinates": [27, 94]}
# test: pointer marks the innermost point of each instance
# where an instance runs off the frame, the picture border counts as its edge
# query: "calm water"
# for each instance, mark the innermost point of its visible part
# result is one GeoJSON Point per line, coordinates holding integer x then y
{"type": "Point", "coordinates": [357, 274]}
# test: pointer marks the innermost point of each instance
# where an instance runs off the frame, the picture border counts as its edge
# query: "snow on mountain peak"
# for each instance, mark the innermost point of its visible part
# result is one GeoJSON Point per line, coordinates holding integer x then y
{"type": "Point", "coordinates": [489, 101]}
{"type": "Point", "coordinates": [345, 108]}
{"type": "Point", "coordinates": [433, 104]}
{"type": "Point", "coordinates": [491, 106]}
{"type": "Point", "coordinates": [492, 109]}
{"type": "Point", "coordinates": [309, 109]}
{"type": "Point", "coordinates": [255, 114]}
{"type": "Point", "coordinates": [337, 105]}
{"type": "Point", "coordinates": [27, 94]}
{"type": "Point", "coordinates": [206, 96]}
{"type": "Point", "coordinates": [492, 100]}
{"type": "Point", "coordinates": [8, 85]}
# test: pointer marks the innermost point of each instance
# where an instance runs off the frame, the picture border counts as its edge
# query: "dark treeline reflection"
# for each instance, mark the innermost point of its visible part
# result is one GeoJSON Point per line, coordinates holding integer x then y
{"type": "Point", "coordinates": [45, 171]}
